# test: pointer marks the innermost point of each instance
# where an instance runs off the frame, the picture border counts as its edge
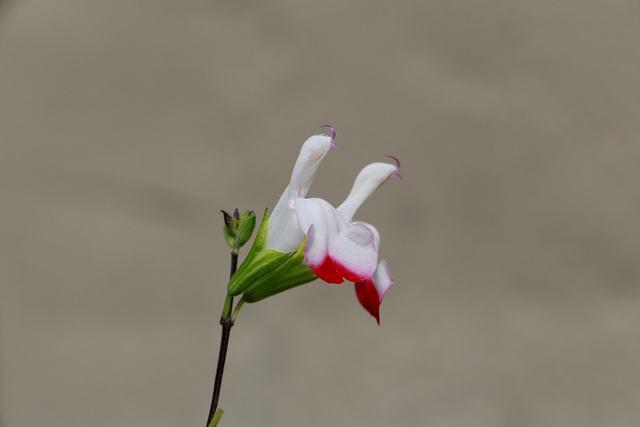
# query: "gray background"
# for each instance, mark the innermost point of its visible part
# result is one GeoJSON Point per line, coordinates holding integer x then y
{"type": "Point", "coordinates": [127, 125]}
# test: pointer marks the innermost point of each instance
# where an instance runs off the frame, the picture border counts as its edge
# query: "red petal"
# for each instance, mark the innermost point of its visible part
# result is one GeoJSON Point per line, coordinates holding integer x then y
{"type": "Point", "coordinates": [368, 297]}
{"type": "Point", "coordinates": [327, 271]}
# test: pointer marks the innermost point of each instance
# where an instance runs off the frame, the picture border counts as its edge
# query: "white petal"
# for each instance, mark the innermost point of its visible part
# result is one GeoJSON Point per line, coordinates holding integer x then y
{"type": "Point", "coordinates": [382, 279]}
{"type": "Point", "coordinates": [284, 233]}
{"type": "Point", "coordinates": [336, 250]}
{"type": "Point", "coordinates": [311, 154]}
{"type": "Point", "coordinates": [367, 181]}
{"type": "Point", "coordinates": [355, 252]}
{"type": "Point", "coordinates": [374, 230]}
{"type": "Point", "coordinates": [327, 224]}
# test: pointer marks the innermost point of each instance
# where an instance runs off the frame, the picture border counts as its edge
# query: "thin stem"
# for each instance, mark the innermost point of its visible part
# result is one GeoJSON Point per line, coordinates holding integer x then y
{"type": "Point", "coordinates": [234, 262]}
{"type": "Point", "coordinates": [224, 344]}
{"type": "Point", "coordinates": [238, 307]}
{"type": "Point", "coordinates": [226, 323]}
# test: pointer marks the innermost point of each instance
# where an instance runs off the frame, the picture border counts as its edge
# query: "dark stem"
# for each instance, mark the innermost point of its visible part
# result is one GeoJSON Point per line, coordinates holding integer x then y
{"type": "Point", "coordinates": [234, 263]}
{"type": "Point", "coordinates": [226, 323]}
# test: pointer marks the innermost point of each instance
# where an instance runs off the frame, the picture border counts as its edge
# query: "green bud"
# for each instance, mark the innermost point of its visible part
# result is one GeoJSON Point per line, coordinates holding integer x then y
{"type": "Point", "coordinates": [228, 220]}
{"type": "Point", "coordinates": [245, 228]}
{"type": "Point", "coordinates": [238, 229]}
{"type": "Point", "coordinates": [259, 261]}
{"type": "Point", "coordinates": [229, 229]}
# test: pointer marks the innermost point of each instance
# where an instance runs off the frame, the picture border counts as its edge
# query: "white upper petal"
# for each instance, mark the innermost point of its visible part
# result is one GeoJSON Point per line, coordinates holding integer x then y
{"type": "Point", "coordinates": [284, 233]}
{"type": "Point", "coordinates": [367, 181]}
{"type": "Point", "coordinates": [311, 154]}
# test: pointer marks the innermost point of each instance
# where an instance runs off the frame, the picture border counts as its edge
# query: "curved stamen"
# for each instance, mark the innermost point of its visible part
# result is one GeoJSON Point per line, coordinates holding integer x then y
{"type": "Point", "coordinates": [396, 174]}
{"type": "Point", "coordinates": [333, 138]}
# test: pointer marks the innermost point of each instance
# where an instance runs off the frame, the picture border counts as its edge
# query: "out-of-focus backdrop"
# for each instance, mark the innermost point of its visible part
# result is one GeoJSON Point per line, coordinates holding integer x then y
{"type": "Point", "coordinates": [126, 126]}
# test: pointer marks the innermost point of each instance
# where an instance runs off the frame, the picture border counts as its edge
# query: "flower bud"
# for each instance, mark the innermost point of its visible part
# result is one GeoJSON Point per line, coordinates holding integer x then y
{"type": "Point", "coordinates": [244, 230]}
{"type": "Point", "coordinates": [238, 229]}
{"type": "Point", "coordinates": [229, 229]}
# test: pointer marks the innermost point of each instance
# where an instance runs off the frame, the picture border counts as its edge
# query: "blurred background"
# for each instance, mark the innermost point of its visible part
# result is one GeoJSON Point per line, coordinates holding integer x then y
{"type": "Point", "coordinates": [126, 126]}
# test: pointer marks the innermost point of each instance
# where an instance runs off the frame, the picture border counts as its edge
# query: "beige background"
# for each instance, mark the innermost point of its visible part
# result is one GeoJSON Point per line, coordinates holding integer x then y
{"type": "Point", "coordinates": [127, 125]}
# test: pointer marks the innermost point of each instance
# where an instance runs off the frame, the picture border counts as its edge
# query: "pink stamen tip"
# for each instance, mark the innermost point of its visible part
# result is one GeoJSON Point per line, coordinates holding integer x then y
{"type": "Point", "coordinates": [396, 174]}
{"type": "Point", "coordinates": [333, 138]}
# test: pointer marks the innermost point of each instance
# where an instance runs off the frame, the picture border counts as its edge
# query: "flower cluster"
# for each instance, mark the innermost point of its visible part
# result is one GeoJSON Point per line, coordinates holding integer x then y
{"type": "Point", "coordinates": [308, 238]}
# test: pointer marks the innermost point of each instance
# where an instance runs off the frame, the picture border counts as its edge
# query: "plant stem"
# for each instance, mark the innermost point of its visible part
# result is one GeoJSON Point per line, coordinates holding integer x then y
{"type": "Point", "coordinates": [224, 344]}
{"type": "Point", "coordinates": [238, 307]}
{"type": "Point", "coordinates": [226, 323]}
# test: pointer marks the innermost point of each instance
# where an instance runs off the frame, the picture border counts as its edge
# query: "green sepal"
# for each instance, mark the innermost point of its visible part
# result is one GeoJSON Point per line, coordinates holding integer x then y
{"type": "Point", "coordinates": [264, 262]}
{"type": "Point", "coordinates": [229, 237]}
{"type": "Point", "coordinates": [290, 274]}
{"type": "Point", "coordinates": [259, 261]}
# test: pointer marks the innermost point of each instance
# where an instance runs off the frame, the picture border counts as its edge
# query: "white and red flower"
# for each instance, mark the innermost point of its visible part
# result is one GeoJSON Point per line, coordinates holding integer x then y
{"type": "Point", "coordinates": [337, 248]}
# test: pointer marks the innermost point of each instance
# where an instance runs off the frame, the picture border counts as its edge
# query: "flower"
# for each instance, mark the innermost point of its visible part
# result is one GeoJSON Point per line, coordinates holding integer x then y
{"type": "Point", "coordinates": [304, 239]}
{"type": "Point", "coordinates": [339, 248]}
